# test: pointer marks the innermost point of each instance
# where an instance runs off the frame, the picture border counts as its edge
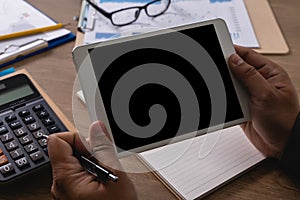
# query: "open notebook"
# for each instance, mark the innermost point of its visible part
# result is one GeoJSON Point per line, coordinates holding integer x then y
{"type": "Point", "coordinates": [195, 167]}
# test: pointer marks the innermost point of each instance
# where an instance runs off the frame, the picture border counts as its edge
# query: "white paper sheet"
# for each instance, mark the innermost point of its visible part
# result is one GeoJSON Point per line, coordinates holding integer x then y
{"type": "Point", "coordinates": [18, 15]}
{"type": "Point", "coordinates": [180, 12]}
{"type": "Point", "coordinates": [196, 166]}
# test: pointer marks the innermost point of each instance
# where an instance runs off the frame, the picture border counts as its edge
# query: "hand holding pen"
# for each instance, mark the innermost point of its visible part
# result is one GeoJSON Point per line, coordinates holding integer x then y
{"type": "Point", "coordinates": [71, 179]}
{"type": "Point", "coordinates": [90, 164]}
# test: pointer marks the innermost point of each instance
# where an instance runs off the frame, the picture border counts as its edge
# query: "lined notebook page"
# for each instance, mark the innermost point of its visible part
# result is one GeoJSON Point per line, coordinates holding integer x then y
{"type": "Point", "coordinates": [196, 166]}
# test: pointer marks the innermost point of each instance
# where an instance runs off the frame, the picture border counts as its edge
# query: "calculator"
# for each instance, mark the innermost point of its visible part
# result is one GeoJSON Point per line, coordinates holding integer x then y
{"type": "Point", "coordinates": [25, 116]}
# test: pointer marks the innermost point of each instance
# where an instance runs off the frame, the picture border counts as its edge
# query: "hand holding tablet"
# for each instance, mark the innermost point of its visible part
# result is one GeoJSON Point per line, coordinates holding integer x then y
{"type": "Point", "coordinates": [163, 86]}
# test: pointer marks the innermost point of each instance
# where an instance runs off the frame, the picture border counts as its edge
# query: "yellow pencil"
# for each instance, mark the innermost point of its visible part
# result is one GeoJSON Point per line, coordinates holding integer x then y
{"type": "Point", "coordinates": [31, 31]}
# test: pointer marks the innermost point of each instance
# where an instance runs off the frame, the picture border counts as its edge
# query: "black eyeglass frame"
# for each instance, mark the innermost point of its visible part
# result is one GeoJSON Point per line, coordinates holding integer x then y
{"type": "Point", "coordinates": [110, 14]}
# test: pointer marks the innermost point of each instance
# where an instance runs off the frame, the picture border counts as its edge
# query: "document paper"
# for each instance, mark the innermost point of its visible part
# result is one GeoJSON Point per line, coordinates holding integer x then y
{"type": "Point", "coordinates": [196, 166]}
{"type": "Point", "coordinates": [180, 12]}
{"type": "Point", "coordinates": [18, 15]}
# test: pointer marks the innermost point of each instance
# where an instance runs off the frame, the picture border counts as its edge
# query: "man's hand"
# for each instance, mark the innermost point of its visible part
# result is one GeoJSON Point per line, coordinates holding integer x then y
{"type": "Point", "coordinates": [274, 104]}
{"type": "Point", "coordinates": [72, 181]}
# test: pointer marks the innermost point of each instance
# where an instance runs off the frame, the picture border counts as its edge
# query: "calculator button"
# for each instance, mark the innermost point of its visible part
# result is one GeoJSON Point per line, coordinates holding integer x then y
{"type": "Point", "coordinates": [3, 130]}
{"type": "Point", "coordinates": [33, 127]}
{"type": "Point", "coordinates": [37, 156]}
{"type": "Point", "coordinates": [20, 131]}
{"type": "Point", "coordinates": [43, 142]}
{"type": "Point", "coordinates": [38, 134]}
{"type": "Point", "coordinates": [15, 125]}
{"type": "Point", "coordinates": [53, 129]}
{"type": "Point", "coordinates": [48, 121]}
{"type": "Point", "coordinates": [37, 107]}
{"type": "Point", "coordinates": [30, 148]}
{"type": "Point", "coordinates": [42, 114]}
{"type": "Point", "coordinates": [6, 137]}
{"type": "Point", "coordinates": [11, 145]}
{"type": "Point", "coordinates": [22, 162]}
{"type": "Point", "coordinates": [7, 169]}
{"type": "Point", "coordinates": [25, 139]}
{"type": "Point", "coordinates": [10, 118]}
{"type": "Point", "coordinates": [24, 113]}
{"type": "Point", "coordinates": [45, 150]}
{"type": "Point", "coordinates": [16, 153]}
{"type": "Point", "coordinates": [3, 160]}
{"type": "Point", "coordinates": [28, 120]}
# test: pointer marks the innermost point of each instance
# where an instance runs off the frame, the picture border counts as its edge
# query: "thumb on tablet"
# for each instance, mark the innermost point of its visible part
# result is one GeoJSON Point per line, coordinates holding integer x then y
{"type": "Point", "coordinates": [248, 75]}
{"type": "Point", "coordinates": [102, 147]}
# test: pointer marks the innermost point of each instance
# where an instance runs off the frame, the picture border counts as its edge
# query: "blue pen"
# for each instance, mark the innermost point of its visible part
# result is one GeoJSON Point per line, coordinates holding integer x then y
{"type": "Point", "coordinates": [7, 71]}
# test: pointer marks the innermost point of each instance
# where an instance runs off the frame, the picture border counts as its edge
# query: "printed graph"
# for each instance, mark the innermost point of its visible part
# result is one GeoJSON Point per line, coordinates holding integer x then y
{"type": "Point", "coordinates": [180, 12]}
{"type": "Point", "coordinates": [220, 1]}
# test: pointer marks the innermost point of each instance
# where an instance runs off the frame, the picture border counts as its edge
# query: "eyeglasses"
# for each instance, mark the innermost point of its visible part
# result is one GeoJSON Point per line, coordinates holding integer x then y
{"type": "Point", "coordinates": [129, 15]}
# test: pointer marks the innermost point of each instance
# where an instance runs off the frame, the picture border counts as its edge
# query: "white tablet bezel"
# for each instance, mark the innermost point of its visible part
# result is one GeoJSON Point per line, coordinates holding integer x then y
{"type": "Point", "coordinates": [89, 81]}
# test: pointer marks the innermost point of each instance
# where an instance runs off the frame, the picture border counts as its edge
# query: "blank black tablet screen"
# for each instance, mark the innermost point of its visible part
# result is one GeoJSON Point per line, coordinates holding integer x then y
{"type": "Point", "coordinates": [159, 87]}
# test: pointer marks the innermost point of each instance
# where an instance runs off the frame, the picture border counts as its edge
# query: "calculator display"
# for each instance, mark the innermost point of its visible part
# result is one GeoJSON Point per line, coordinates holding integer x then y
{"type": "Point", "coordinates": [15, 91]}
{"type": "Point", "coordinates": [14, 94]}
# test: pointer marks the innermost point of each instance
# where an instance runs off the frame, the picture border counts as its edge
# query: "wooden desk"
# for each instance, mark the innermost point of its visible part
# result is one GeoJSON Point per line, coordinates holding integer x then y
{"type": "Point", "coordinates": [55, 72]}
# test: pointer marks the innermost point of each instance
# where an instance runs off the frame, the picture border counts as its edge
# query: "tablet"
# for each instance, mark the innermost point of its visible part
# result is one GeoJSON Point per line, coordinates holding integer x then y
{"type": "Point", "coordinates": [163, 86]}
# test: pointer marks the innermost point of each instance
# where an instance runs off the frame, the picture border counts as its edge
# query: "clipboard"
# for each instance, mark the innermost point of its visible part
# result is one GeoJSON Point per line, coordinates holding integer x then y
{"type": "Point", "coordinates": [35, 48]}
{"type": "Point", "coordinates": [83, 25]}
{"type": "Point", "coordinates": [17, 49]}
{"type": "Point", "coordinates": [266, 28]}
{"type": "Point", "coordinates": [262, 18]}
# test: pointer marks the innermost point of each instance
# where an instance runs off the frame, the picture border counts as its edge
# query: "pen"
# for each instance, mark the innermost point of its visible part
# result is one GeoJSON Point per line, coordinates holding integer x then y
{"type": "Point", "coordinates": [31, 31]}
{"type": "Point", "coordinates": [100, 172]}
{"type": "Point", "coordinates": [7, 71]}
{"type": "Point", "coordinates": [97, 170]}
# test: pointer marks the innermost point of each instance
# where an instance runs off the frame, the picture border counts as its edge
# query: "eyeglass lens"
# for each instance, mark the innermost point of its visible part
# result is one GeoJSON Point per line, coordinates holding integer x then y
{"type": "Point", "coordinates": [157, 8]}
{"type": "Point", "coordinates": [127, 16]}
